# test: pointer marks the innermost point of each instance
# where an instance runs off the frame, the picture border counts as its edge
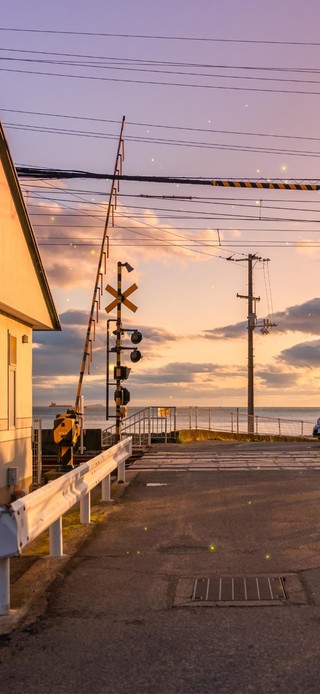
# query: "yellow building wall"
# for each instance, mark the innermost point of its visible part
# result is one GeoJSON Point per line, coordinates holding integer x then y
{"type": "Point", "coordinates": [16, 441]}
{"type": "Point", "coordinates": [20, 289]}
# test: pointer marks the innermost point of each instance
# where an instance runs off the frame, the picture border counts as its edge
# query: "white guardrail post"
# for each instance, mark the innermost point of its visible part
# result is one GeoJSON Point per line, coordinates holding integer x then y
{"type": "Point", "coordinates": [28, 517]}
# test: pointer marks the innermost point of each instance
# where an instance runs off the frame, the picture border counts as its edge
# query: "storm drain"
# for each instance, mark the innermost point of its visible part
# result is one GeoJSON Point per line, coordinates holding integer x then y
{"type": "Point", "coordinates": [239, 589]}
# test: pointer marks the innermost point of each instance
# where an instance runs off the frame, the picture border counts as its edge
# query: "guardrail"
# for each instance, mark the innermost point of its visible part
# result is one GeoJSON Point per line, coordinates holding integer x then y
{"type": "Point", "coordinates": [25, 519]}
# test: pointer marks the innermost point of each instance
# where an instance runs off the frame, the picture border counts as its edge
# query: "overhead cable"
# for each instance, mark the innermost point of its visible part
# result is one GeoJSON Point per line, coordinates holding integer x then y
{"type": "Point", "coordinates": [158, 37]}
{"type": "Point", "coordinates": [278, 184]}
{"type": "Point", "coordinates": [266, 90]}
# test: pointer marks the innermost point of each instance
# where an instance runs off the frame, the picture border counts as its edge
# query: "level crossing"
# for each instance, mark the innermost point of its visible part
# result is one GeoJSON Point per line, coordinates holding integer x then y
{"type": "Point", "coordinates": [217, 456]}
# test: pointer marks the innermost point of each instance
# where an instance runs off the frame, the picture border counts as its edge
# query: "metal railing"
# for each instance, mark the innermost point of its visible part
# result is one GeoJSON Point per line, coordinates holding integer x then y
{"type": "Point", "coordinates": [235, 421]}
{"type": "Point", "coordinates": [26, 518]}
{"type": "Point", "coordinates": [36, 453]}
{"type": "Point", "coordinates": [146, 426]}
{"type": "Point", "coordinates": [160, 424]}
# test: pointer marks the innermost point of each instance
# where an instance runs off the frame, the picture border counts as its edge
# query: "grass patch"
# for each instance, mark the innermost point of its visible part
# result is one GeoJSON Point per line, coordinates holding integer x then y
{"type": "Point", "coordinates": [72, 529]}
{"type": "Point", "coordinates": [188, 435]}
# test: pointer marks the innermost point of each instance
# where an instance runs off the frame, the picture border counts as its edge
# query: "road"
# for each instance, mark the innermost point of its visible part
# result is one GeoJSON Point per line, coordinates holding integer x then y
{"type": "Point", "coordinates": [119, 617]}
{"type": "Point", "coordinates": [223, 455]}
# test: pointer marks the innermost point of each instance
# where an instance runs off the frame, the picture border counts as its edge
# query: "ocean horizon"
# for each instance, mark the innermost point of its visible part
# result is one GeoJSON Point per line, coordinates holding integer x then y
{"type": "Point", "coordinates": [95, 414]}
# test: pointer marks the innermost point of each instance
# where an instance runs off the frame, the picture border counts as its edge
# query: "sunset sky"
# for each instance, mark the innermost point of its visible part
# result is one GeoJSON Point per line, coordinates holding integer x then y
{"type": "Point", "coordinates": [209, 90]}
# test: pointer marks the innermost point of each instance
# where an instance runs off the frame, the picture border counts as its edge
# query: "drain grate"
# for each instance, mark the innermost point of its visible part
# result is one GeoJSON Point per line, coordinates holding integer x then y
{"type": "Point", "coordinates": [239, 589]}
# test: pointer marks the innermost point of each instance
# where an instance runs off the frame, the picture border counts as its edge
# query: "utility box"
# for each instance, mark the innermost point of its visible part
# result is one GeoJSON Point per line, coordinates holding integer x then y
{"type": "Point", "coordinates": [12, 476]}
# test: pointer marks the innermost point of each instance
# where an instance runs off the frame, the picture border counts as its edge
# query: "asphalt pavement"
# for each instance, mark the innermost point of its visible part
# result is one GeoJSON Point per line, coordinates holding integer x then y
{"type": "Point", "coordinates": [123, 613]}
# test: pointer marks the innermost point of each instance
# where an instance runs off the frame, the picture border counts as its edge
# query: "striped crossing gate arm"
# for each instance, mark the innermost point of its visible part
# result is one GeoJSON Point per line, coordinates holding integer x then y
{"type": "Point", "coordinates": [66, 456]}
{"type": "Point", "coordinates": [63, 429]}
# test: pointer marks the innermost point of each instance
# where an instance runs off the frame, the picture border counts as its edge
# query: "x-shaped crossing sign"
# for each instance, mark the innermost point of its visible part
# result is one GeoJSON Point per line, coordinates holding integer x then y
{"type": "Point", "coordinates": [121, 298]}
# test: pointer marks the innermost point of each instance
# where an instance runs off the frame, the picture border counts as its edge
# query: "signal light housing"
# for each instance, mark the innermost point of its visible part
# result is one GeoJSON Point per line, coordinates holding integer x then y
{"type": "Point", "coordinates": [135, 355]}
{"type": "Point", "coordinates": [136, 337]}
{"type": "Point", "coordinates": [121, 372]}
{"type": "Point", "coordinates": [123, 394]}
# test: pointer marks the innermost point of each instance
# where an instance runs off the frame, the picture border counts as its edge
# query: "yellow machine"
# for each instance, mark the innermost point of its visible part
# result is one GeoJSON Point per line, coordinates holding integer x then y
{"type": "Point", "coordinates": [66, 434]}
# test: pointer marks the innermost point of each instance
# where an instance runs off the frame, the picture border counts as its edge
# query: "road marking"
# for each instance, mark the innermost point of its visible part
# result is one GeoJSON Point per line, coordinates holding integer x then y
{"type": "Point", "coordinates": [226, 461]}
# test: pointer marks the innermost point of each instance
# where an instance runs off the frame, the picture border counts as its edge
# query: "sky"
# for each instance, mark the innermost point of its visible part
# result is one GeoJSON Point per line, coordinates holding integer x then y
{"type": "Point", "coordinates": [208, 90]}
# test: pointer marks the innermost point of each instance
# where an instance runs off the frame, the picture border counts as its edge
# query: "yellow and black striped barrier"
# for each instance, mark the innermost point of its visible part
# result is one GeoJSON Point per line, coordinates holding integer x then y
{"type": "Point", "coordinates": [66, 432]}
{"type": "Point", "coordinates": [269, 185]}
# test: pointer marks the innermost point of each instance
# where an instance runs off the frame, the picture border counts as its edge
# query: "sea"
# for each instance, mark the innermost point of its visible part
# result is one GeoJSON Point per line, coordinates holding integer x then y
{"type": "Point", "coordinates": [284, 420]}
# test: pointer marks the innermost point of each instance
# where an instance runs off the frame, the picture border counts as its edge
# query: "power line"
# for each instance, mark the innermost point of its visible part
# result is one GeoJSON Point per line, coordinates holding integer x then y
{"type": "Point", "coordinates": [143, 223]}
{"type": "Point", "coordinates": [36, 173]}
{"type": "Point", "coordinates": [178, 198]}
{"type": "Point", "coordinates": [188, 73]}
{"type": "Point", "coordinates": [163, 228]}
{"type": "Point", "coordinates": [186, 242]}
{"type": "Point", "coordinates": [159, 37]}
{"type": "Point", "coordinates": [161, 83]}
{"type": "Point", "coordinates": [213, 202]}
{"type": "Point", "coordinates": [114, 240]}
{"type": "Point", "coordinates": [179, 214]}
{"type": "Point", "coordinates": [120, 60]}
{"type": "Point", "coordinates": [162, 126]}
{"type": "Point", "coordinates": [169, 232]}
{"type": "Point", "coordinates": [203, 215]}
{"type": "Point", "coordinates": [159, 141]}
{"type": "Point", "coordinates": [222, 245]}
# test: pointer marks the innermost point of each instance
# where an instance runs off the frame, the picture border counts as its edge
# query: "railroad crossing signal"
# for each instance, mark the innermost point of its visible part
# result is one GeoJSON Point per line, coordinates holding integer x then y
{"type": "Point", "coordinates": [121, 373]}
{"type": "Point", "coordinates": [122, 396]}
{"type": "Point", "coordinates": [121, 298]}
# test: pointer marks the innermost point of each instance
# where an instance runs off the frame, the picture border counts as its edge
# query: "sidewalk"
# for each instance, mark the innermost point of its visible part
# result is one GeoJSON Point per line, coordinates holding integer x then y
{"type": "Point", "coordinates": [115, 621]}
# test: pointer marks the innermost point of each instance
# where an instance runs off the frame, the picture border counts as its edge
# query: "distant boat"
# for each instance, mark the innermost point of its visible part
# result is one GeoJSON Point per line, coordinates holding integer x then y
{"type": "Point", "coordinates": [54, 404]}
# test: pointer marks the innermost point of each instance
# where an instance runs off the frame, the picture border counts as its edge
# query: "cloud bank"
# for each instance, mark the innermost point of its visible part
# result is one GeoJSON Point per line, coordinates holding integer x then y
{"type": "Point", "coordinates": [304, 318]}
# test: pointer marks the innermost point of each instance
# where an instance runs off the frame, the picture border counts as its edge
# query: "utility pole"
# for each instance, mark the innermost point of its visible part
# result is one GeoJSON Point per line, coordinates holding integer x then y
{"type": "Point", "coordinates": [252, 322]}
{"type": "Point", "coordinates": [252, 317]}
